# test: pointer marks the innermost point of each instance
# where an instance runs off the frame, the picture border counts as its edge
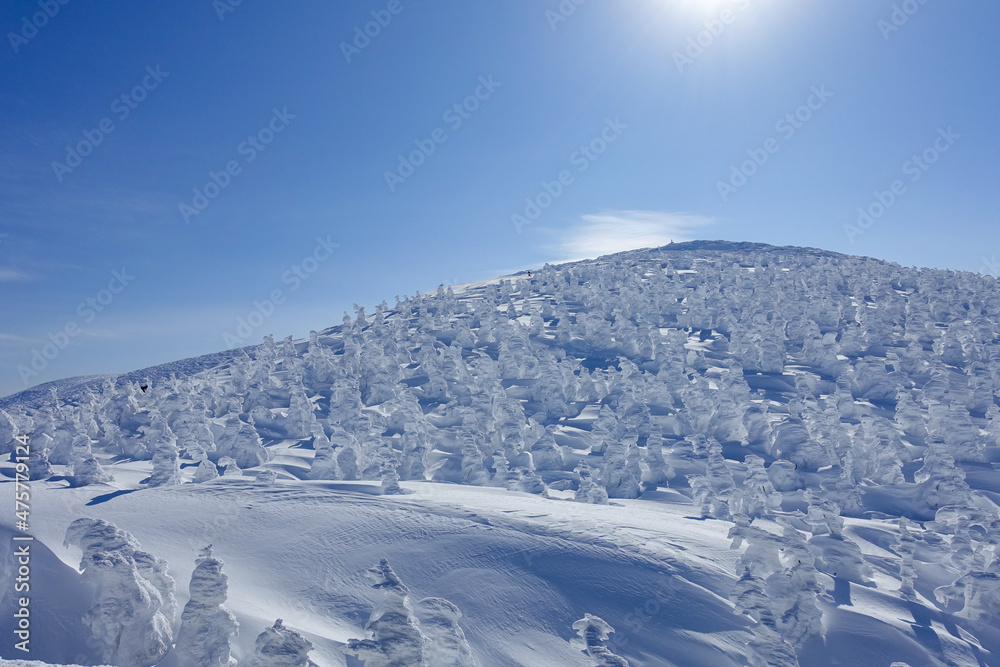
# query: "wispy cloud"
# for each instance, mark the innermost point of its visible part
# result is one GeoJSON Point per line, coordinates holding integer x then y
{"type": "Point", "coordinates": [13, 338]}
{"type": "Point", "coordinates": [10, 275]}
{"type": "Point", "coordinates": [616, 231]}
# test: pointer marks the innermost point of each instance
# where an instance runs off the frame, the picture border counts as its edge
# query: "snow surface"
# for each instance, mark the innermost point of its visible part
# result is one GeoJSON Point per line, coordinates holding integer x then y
{"type": "Point", "coordinates": [711, 453]}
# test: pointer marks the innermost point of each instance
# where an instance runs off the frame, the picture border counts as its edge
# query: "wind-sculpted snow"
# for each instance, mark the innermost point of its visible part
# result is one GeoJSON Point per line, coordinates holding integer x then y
{"type": "Point", "coordinates": [207, 626]}
{"type": "Point", "coordinates": [834, 419]}
{"type": "Point", "coordinates": [135, 603]}
{"type": "Point", "coordinates": [402, 634]}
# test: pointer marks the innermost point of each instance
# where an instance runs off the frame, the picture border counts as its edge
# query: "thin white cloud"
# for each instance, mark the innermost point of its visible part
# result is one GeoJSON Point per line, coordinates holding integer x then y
{"type": "Point", "coordinates": [10, 275]}
{"type": "Point", "coordinates": [12, 338]}
{"type": "Point", "coordinates": [617, 231]}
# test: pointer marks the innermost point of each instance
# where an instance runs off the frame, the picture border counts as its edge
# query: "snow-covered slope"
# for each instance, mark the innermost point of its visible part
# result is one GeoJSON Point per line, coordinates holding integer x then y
{"type": "Point", "coordinates": [728, 453]}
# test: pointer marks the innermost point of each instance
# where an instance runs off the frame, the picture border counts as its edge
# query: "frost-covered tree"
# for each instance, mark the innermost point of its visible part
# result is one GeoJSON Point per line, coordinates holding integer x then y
{"type": "Point", "coordinates": [979, 594]}
{"type": "Point", "coordinates": [390, 478]}
{"type": "Point", "coordinates": [905, 546]}
{"type": "Point", "coordinates": [125, 621]}
{"type": "Point", "coordinates": [229, 467]}
{"type": "Point", "coordinates": [447, 645]}
{"type": "Point", "coordinates": [589, 491]}
{"type": "Point", "coordinates": [942, 482]}
{"type": "Point", "coordinates": [703, 495]}
{"type": "Point", "coordinates": [241, 442]}
{"type": "Point", "coordinates": [767, 648]}
{"type": "Point", "coordinates": [545, 453]}
{"type": "Point", "coordinates": [166, 466]}
{"type": "Point", "coordinates": [8, 432]}
{"type": "Point", "coordinates": [394, 636]}
{"type": "Point", "coordinates": [324, 463]}
{"type": "Point", "coordinates": [415, 449]}
{"type": "Point", "coordinates": [658, 471]}
{"type": "Point", "coordinates": [756, 496]}
{"type": "Point", "coordinates": [88, 470]}
{"type": "Point", "coordinates": [795, 590]}
{"type": "Point", "coordinates": [206, 626]}
{"type": "Point", "coordinates": [130, 621]}
{"type": "Point", "coordinates": [38, 463]}
{"type": "Point", "coordinates": [194, 436]}
{"type": "Point", "coordinates": [530, 481]}
{"type": "Point", "coordinates": [620, 467]}
{"type": "Point", "coordinates": [594, 631]}
{"type": "Point", "coordinates": [279, 646]}
{"type": "Point", "coordinates": [720, 478]}
{"type": "Point", "coordinates": [473, 470]}
{"type": "Point", "coordinates": [301, 414]}
{"type": "Point", "coordinates": [205, 472]}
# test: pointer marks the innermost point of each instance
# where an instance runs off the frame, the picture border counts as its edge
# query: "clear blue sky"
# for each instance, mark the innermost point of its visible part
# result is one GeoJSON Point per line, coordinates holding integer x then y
{"type": "Point", "coordinates": [672, 120]}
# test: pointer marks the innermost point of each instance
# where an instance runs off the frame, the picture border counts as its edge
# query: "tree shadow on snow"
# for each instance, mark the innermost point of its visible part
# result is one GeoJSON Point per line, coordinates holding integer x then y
{"type": "Point", "coordinates": [922, 630]}
{"type": "Point", "coordinates": [97, 500]}
{"type": "Point", "coordinates": [842, 592]}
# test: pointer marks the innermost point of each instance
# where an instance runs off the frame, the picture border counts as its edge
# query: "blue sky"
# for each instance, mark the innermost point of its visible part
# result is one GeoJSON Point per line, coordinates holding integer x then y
{"type": "Point", "coordinates": [603, 125]}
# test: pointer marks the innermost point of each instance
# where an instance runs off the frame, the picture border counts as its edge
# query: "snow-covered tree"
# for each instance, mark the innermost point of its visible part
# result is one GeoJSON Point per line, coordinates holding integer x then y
{"type": "Point", "coordinates": [206, 626]}
{"type": "Point", "coordinates": [8, 433]}
{"type": "Point", "coordinates": [756, 496]}
{"type": "Point", "coordinates": [594, 631]}
{"type": "Point", "coordinates": [767, 648]}
{"type": "Point", "coordinates": [620, 467]}
{"type": "Point", "coordinates": [979, 594]}
{"type": "Point", "coordinates": [390, 478]}
{"type": "Point", "coordinates": [795, 590]}
{"type": "Point", "coordinates": [394, 636]}
{"type": "Point", "coordinates": [278, 646]}
{"type": "Point", "coordinates": [38, 463]}
{"type": "Point", "coordinates": [131, 619]}
{"type": "Point", "coordinates": [658, 471]}
{"type": "Point", "coordinates": [205, 472]}
{"type": "Point", "coordinates": [905, 546]}
{"type": "Point", "coordinates": [324, 463]}
{"type": "Point", "coordinates": [942, 482]}
{"type": "Point", "coordinates": [589, 491]}
{"type": "Point", "coordinates": [447, 645]}
{"type": "Point", "coordinates": [166, 466]}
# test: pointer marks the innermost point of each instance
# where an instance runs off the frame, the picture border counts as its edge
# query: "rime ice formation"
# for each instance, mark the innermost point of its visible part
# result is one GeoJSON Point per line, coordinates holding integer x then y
{"type": "Point", "coordinates": [594, 632]}
{"type": "Point", "coordinates": [424, 634]}
{"type": "Point", "coordinates": [279, 646]}
{"type": "Point", "coordinates": [134, 595]}
{"type": "Point", "coordinates": [394, 632]}
{"type": "Point", "coordinates": [447, 645]}
{"type": "Point", "coordinates": [836, 418]}
{"type": "Point", "coordinates": [206, 626]}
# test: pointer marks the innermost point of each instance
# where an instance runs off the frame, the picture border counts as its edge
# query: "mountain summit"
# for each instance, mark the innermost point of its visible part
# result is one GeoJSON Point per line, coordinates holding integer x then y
{"type": "Point", "coordinates": [712, 453]}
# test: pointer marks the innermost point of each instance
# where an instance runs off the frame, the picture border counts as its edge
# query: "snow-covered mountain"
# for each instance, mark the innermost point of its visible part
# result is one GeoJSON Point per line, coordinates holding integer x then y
{"type": "Point", "coordinates": [706, 454]}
